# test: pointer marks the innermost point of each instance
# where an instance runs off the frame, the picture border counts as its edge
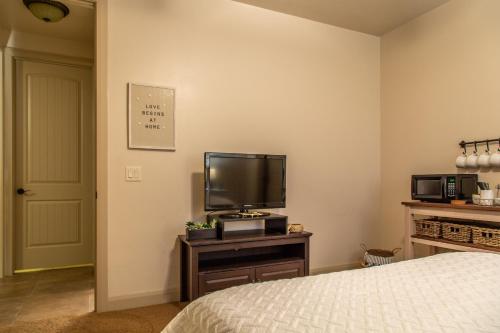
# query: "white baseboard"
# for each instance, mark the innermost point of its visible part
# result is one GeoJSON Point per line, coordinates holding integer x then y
{"type": "Point", "coordinates": [142, 299]}
{"type": "Point", "coordinates": [172, 295]}
{"type": "Point", "coordinates": [331, 269]}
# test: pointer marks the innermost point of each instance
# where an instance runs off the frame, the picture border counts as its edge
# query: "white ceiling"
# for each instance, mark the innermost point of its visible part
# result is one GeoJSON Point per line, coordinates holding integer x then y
{"type": "Point", "coordinates": [78, 25]}
{"type": "Point", "coordinates": [374, 17]}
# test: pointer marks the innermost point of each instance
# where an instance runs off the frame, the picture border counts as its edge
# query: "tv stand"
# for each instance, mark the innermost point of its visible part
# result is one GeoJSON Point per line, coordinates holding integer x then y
{"type": "Point", "coordinates": [244, 213]}
{"type": "Point", "coordinates": [274, 224]}
{"type": "Point", "coordinates": [230, 215]}
{"type": "Point", "coordinates": [211, 264]}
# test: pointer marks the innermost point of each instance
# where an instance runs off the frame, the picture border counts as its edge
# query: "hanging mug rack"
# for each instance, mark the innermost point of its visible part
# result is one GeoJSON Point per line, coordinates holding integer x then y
{"type": "Point", "coordinates": [463, 144]}
{"type": "Point", "coordinates": [485, 160]}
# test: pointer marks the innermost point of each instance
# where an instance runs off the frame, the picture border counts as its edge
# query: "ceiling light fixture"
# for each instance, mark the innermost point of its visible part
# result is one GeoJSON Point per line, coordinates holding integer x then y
{"type": "Point", "coordinates": [47, 10]}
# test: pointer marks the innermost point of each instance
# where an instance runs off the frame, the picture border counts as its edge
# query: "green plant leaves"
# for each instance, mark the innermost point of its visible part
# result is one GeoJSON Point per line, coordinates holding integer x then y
{"type": "Point", "coordinates": [201, 225]}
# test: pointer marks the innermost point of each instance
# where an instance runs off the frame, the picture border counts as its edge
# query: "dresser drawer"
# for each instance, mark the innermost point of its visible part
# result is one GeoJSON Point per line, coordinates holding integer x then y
{"type": "Point", "coordinates": [280, 271]}
{"type": "Point", "coordinates": [210, 282]}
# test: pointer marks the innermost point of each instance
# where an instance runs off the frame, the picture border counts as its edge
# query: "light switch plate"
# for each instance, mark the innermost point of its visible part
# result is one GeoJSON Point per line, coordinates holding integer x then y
{"type": "Point", "coordinates": [133, 173]}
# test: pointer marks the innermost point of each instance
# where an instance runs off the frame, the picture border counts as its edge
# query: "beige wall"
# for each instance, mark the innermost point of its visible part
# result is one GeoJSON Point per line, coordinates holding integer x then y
{"type": "Point", "coordinates": [4, 37]}
{"type": "Point", "coordinates": [440, 84]}
{"type": "Point", "coordinates": [246, 80]}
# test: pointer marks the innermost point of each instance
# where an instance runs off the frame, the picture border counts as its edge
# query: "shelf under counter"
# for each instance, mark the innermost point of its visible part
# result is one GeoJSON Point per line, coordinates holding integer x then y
{"type": "Point", "coordinates": [452, 245]}
{"type": "Point", "coordinates": [474, 214]}
{"type": "Point", "coordinates": [464, 212]}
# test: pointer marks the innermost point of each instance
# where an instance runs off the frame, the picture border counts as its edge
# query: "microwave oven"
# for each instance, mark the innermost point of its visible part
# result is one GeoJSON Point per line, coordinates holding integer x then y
{"type": "Point", "coordinates": [443, 188]}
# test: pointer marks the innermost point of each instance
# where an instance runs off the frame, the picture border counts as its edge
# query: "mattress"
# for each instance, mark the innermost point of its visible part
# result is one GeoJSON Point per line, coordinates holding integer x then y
{"type": "Point", "coordinates": [451, 292]}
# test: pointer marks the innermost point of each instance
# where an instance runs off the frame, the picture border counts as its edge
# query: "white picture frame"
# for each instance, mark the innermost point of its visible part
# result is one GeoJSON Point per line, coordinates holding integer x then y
{"type": "Point", "coordinates": [151, 117]}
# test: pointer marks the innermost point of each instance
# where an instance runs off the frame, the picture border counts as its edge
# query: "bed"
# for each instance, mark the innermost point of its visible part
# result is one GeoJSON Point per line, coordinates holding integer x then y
{"type": "Point", "coordinates": [451, 292]}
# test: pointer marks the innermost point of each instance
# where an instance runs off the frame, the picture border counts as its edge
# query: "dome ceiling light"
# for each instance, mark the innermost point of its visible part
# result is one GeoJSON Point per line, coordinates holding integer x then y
{"type": "Point", "coordinates": [47, 10]}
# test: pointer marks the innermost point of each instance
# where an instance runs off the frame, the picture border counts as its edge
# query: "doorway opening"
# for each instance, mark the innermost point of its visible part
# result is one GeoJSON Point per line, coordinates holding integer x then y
{"type": "Point", "coordinates": [49, 164]}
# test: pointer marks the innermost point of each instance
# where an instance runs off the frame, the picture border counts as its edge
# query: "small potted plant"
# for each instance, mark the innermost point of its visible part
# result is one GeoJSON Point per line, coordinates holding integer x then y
{"type": "Point", "coordinates": [201, 230]}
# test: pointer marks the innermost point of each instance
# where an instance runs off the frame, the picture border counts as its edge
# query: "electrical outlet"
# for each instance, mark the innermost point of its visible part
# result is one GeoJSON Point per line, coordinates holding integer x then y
{"type": "Point", "coordinates": [133, 173]}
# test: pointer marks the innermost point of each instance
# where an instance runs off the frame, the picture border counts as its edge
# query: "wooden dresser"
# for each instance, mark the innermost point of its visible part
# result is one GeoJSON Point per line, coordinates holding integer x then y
{"type": "Point", "coordinates": [211, 265]}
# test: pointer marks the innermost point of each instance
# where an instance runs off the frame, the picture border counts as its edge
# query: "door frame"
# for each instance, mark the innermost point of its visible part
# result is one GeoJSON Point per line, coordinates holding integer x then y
{"type": "Point", "coordinates": [11, 57]}
{"type": "Point", "coordinates": [101, 113]}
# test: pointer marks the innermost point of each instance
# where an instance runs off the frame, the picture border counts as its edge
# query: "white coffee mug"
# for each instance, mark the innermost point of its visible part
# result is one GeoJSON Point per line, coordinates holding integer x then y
{"type": "Point", "coordinates": [476, 199]}
{"type": "Point", "coordinates": [472, 160]}
{"type": "Point", "coordinates": [495, 159]}
{"type": "Point", "coordinates": [487, 198]}
{"type": "Point", "coordinates": [461, 161]}
{"type": "Point", "coordinates": [484, 159]}
{"type": "Point", "coordinates": [487, 194]}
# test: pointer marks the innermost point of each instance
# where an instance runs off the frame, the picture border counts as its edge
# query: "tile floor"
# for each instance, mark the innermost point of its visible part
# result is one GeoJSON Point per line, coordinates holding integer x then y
{"type": "Point", "coordinates": [47, 294]}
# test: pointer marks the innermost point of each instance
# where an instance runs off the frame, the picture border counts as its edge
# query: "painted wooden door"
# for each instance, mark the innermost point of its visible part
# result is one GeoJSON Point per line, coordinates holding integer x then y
{"type": "Point", "coordinates": [55, 199]}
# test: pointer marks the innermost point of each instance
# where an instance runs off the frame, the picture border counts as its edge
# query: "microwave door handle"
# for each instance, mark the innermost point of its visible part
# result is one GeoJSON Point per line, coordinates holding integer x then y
{"type": "Point", "coordinates": [444, 190]}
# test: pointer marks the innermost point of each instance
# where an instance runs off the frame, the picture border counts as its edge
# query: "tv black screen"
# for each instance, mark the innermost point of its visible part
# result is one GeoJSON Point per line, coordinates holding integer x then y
{"type": "Point", "coordinates": [244, 181]}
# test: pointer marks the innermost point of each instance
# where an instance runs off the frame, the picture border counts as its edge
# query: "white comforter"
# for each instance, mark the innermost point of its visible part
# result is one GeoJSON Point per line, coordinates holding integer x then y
{"type": "Point", "coordinates": [452, 292]}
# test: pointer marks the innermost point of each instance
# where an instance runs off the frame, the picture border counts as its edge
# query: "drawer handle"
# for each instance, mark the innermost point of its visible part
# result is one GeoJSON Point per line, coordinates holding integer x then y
{"type": "Point", "coordinates": [280, 272]}
{"type": "Point", "coordinates": [229, 279]}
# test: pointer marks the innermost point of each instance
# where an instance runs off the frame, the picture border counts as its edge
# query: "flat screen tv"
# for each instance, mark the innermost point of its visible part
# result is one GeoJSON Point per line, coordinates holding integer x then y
{"type": "Point", "coordinates": [244, 181]}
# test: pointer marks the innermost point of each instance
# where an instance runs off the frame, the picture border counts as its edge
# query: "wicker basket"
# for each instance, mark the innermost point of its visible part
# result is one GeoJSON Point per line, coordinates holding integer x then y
{"type": "Point", "coordinates": [293, 228]}
{"type": "Point", "coordinates": [377, 257]}
{"type": "Point", "coordinates": [428, 228]}
{"type": "Point", "coordinates": [457, 232]}
{"type": "Point", "coordinates": [486, 236]}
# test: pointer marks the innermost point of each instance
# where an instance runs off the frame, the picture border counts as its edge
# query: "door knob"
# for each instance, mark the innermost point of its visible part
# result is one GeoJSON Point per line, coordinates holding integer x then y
{"type": "Point", "coordinates": [22, 191]}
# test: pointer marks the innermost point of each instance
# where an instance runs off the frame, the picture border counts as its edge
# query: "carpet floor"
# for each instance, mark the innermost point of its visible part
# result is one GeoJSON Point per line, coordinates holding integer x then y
{"type": "Point", "coordinates": [151, 319]}
{"type": "Point", "coordinates": [47, 294]}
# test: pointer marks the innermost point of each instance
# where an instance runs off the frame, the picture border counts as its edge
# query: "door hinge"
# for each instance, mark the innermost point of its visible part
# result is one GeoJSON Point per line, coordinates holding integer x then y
{"type": "Point", "coordinates": [96, 195]}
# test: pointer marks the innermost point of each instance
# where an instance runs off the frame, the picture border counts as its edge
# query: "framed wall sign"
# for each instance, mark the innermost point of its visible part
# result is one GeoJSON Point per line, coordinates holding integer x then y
{"type": "Point", "coordinates": [151, 122]}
